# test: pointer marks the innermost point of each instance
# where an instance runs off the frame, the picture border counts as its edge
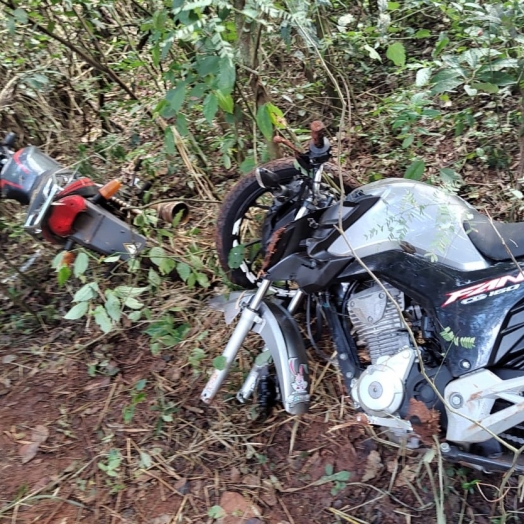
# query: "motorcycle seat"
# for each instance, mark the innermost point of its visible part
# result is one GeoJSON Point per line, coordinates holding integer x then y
{"type": "Point", "coordinates": [495, 240]}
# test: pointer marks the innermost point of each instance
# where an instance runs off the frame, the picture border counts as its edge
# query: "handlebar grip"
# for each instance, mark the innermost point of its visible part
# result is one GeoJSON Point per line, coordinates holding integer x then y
{"type": "Point", "coordinates": [9, 140]}
{"type": "Point", "coordinates": [318, 133]}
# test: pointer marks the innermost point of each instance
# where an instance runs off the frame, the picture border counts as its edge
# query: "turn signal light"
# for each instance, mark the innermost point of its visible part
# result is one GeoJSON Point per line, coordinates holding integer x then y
{"type": "Point", "coordinates": [110, 189]}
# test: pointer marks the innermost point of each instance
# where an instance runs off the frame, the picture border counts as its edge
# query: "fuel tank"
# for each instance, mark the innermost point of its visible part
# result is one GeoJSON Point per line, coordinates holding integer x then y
{"type": "Point", "coordinates": [408, 215]}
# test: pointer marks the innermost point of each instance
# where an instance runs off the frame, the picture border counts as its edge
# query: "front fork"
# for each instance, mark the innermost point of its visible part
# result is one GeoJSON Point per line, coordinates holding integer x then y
{"type": "Point", "coordinates": [284, 347]}
{"type": "Point", "coordinates": [264, 358]}
{"type": "Point", "coordinates": [248, 317]}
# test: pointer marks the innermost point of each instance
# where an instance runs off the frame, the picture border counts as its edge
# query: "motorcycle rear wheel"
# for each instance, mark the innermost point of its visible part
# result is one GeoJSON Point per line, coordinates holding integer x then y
{"type": "Point", "coordinates": [239, 225]}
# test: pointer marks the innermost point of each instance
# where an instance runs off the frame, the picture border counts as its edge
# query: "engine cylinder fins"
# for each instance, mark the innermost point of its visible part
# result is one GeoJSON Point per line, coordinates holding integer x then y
{"type": "Point", "coordinates": [377, 321]}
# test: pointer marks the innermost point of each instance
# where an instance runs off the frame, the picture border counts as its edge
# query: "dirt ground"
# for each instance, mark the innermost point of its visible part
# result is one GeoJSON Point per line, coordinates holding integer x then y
{"type": "Point", "coordinates": [96, 429]}
{"type": "Point", "coordinates": [68, 454]}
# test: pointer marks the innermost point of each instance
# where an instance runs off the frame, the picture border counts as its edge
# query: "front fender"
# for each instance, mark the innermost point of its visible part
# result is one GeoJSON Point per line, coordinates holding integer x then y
{"type": "Point", "coordinates": [286, 345]}
{"type": "Point", "coordinates": [280, 332]}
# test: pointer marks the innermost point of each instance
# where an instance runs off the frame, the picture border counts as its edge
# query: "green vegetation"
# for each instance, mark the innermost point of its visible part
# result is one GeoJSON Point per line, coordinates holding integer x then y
{"type": "Point", "coordinates": [423, 89]}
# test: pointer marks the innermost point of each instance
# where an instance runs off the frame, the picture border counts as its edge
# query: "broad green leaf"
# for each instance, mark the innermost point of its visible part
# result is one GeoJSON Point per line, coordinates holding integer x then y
{"type": "Point", "coordinates": [141, 384]}
{"type": "Point", "coordinates": [277, 116]}
{"type": "Point", "coordinates": [209, 65]}
{"type": "Point", "coordinates": [102, 319]}
{"type": "Point", "coordinates": [77, 311]}
{"type": "Point", "coordinates": [219, 363]}
{"type": "Point", "coordinates": [129, 291]}
{"type": "Point", "coordinates": [157, 254]}
{"type": "Point", "coordinates": [446, 85]}
{"type": "Point", "coordinates": [415, 170]}
{"type": "Point", "coordinates": [63, 275]}
{"type": "Point", "coordinates": [197, 92]}
{"type": "Point", "coordinates": [111, 259]}
{"type": "Point", "coordinates": [216, 512]}
{"type": "Point", "coordinates": [184, 270]}
{"type": "Point", "coordinates": [133, 265]}
{"type": "Point", "coordinates": [57, 260]}
{"type": "Point", "coordinates": [166, 47]}
{"type": "Point", "coordinates": [341, 476]}
{"type": "Point", "coordinates": [431, 113]}
{"type": "Point", "coordinates": [176, 96]}
{"type": "Point", "coordinates": [133, 303]}
{"type": "Point", "coordinates": [227, 76]}
{"type": "Point", "coordinates": [423, 76]}
{"type": "Point", "coordinates": [169, 141]}
{"type": "Point", "coordinates": [87, 292]}
{"type": "Point", "coordinates": [154, 278]}
{"type": "Point", "coordinates": [181, 124]}
{"type": "Point", "coordinates": [225, 101]}
{"type": "Point", "coordinates": [499, 78]}
{"type": "Point", "coordinates": [397, 54]}
{"type": "Point", "coordinates": [202, 279]}
{"type": "Point", "coordinates": [264, 122]}
{"type": "Point", "coordinates": [167, 265]}
{"type": "Point", "coordinates": [450, 73]}
{"type": "Point", "coordinates": [112, 305]}
{"type": "Point", "coordinates": [441, 44]}
{"type": "Point", "coordinates": [210, 107]}
{"type": "Point", "coordinates": [423, 33]}
{"type": "Point", "coordinates": [236, 256]}
{"type": "Point", "coordinates": [504, 63]}
{"type": "Point", "coordinates": [247, 165]}
{"type": "Point", "coordinates": [408, 141]}
{"type": "Point", "coordinates": [81, 264]}
{"type": "Point", "coordinates": [450, 176]}
{"type": "Point", "coordinates": [134, 316]}
{"type": "Point", "coordinates": [485, 86]}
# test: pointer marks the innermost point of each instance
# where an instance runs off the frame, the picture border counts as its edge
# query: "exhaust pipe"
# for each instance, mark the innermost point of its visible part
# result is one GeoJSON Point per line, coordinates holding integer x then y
{"type": "Point", "coordinates": [170, 210]}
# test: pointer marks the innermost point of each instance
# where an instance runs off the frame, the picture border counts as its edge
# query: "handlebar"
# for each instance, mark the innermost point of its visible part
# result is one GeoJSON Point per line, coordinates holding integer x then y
{"type": "Point", "coordinates": [319, 146]}
{"type": "Point", "coordinates": [318, 134]}
{"type": "Point", "coordinates": [9, 140]}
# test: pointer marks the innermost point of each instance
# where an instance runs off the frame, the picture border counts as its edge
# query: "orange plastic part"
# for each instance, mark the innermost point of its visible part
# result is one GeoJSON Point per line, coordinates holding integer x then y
{"type": "Point", "coordinates": [68, 258]}
{"type": "Point", "coordinates": [110, 189]}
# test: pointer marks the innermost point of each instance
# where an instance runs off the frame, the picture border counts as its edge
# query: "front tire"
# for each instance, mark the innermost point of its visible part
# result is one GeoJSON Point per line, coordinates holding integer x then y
{"type": "Point", "coordinates": [240, 221]}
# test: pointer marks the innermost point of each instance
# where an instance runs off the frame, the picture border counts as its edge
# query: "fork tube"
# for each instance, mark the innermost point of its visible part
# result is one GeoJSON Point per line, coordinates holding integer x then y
{"type": "Point", "coordinates": [247, 318]}
{"type": "Point", "coordinates": [316, 189]}
{"type": "Point", "coordinates": [295, 301]}
{"type": "Point", "coordinates": [251, 381]}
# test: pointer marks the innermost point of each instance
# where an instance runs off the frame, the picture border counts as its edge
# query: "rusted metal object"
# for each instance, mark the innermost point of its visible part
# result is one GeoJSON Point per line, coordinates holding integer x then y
{"type": "Point", "coordinates": [169, 210]}
{"type": "Point", "coordinates": [287, 143]}
{"type": "Point", "coordinates": [318, 132]}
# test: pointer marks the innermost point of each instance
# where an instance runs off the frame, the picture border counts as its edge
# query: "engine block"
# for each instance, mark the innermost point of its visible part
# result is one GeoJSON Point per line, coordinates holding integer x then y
{"type": "Point", "coordinates": [378, 322]}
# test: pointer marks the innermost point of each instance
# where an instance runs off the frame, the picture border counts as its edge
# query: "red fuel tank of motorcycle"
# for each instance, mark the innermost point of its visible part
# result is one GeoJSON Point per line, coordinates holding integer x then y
{"type": "Point", "coordinates": [22, 171]}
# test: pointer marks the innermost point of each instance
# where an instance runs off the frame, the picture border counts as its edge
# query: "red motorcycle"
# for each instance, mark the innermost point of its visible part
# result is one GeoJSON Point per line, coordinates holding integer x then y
{"type": "Point", "coordinates": [67, 210]}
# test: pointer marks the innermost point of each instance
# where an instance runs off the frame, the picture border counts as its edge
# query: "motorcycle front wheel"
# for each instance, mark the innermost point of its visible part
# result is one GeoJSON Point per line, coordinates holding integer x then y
{"type": "Point", "coordinates": [240, 221]}
{"type": "Point", "coordinates": [239, 224]}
